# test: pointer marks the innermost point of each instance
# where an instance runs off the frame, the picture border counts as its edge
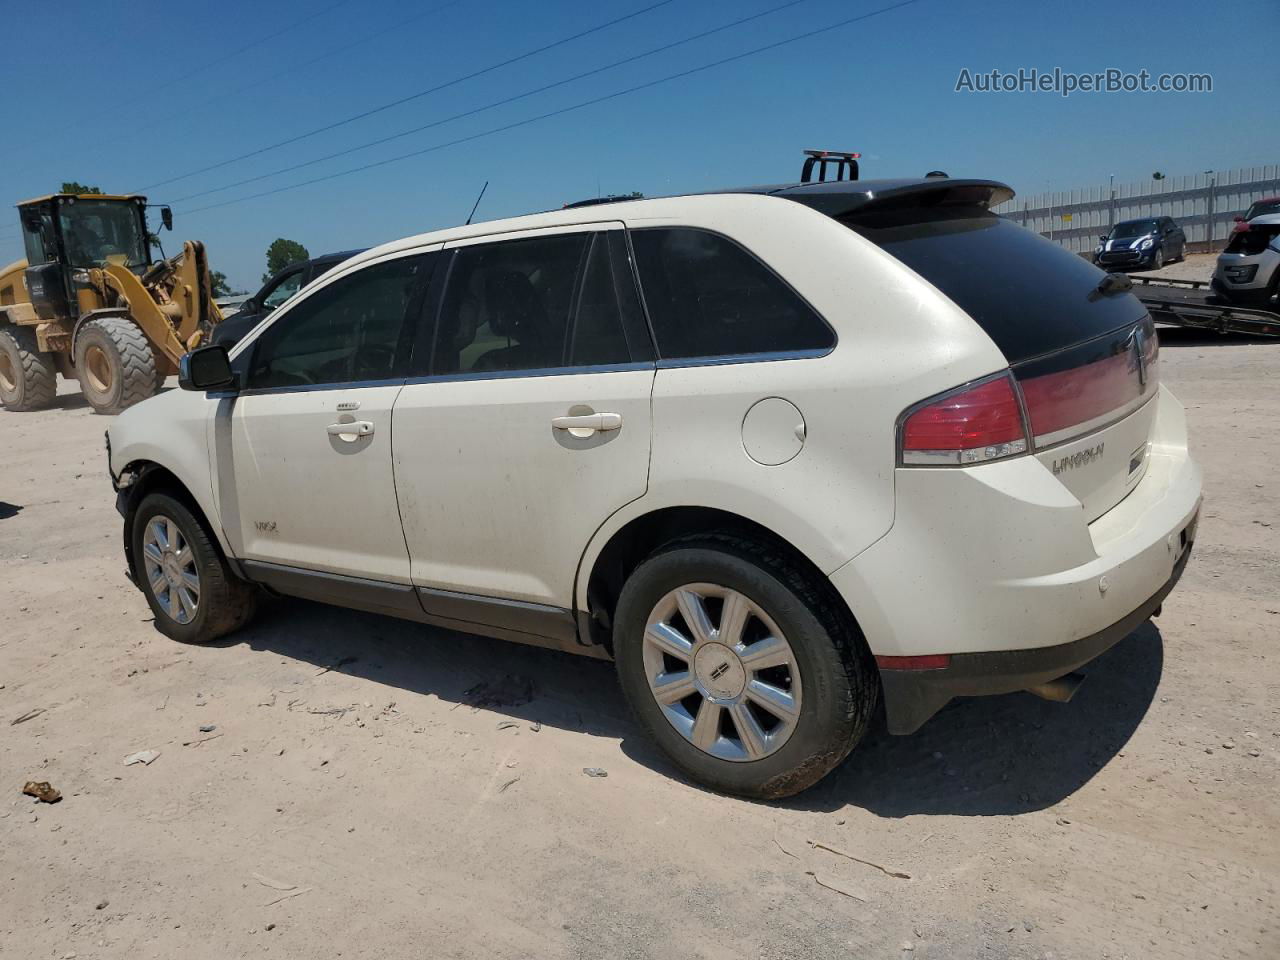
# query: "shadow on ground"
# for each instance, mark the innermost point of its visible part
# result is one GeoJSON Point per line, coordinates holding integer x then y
{"type": "Point", "coordinates": [978, 757]}
{"type": "Point", "coordinates": [8, 510]}
{"type": "Point", "coordinates": [1192, 337]}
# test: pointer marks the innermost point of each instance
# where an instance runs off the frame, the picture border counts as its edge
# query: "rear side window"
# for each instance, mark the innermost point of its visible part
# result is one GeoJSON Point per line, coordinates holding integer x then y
{"type": "Point", "coordinates": [708, 297]}
{"type": "Point", "coordinates": [1030, 295]}
{"type": "Point", "coordinates": [347, 332]}
{"type": "Point", "coordinates": [536, 304]}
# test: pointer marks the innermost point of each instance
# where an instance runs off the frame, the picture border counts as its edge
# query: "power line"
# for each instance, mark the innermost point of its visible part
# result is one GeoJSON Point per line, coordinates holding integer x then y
{"type": "Point", "coordinates": [398, 25]}
{"type": "Point", "coordinates": [497, 103]}
{"type": "Point", "coordinates": [413, 96]}
{"type": "Point", "coordinates": [287, 28]}
{"type": "Point", "coordinates": [563, 110]}
{"type": "Point", "coordinates": [261, 40]}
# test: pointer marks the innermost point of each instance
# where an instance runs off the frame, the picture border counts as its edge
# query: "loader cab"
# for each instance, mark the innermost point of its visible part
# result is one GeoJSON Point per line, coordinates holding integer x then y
{"type": "Point", "coordinates": [66, 235]}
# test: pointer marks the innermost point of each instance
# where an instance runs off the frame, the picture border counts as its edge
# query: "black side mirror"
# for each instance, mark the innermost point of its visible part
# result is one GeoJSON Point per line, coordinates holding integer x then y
{"type": "Point", "coordinates": [1103, 237]}
{"type": "Point", "coordinates": [208, 368]}
{"type": "Point", "coordinates": [166, 217]}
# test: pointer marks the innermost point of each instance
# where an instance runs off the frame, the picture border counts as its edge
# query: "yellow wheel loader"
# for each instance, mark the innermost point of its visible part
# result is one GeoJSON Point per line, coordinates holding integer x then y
{"type": "Point", "coordinates": [89, 303]}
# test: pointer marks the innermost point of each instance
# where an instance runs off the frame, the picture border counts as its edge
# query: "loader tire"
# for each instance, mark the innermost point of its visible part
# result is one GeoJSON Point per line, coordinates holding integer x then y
{"type": "Point", "coordinates": [28, 378]}
{"type": "Point", "coordinates": [115, 363]}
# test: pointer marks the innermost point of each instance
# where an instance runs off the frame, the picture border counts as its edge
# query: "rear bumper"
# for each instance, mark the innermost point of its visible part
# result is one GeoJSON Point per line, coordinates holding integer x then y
{"type": "Point", "coordinates": [989, 565]}
{"type": "Point", "coordinates": [911, 697]}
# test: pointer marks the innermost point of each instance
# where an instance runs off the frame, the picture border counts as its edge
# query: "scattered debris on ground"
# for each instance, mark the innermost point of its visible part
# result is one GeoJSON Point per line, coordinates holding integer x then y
{"type": "Point", "coordinates": [512, 690]}
{"type": "Point", "coordinates": [42, 790]}
{"type": "Point", "coordinates": [142, 756]}
{"type": "Point", "coordinates": [595, 771]}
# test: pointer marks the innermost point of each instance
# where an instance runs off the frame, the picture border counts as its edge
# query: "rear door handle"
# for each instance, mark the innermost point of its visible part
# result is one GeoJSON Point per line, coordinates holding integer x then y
{"type": "Point", "coordinates": [350, 432]}
{"type": "Point", "coordinates": [589, 423]}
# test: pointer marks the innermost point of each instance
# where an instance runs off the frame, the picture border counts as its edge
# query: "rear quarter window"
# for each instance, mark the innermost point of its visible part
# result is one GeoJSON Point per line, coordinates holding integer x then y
{"type": "Point", "coordinates": [1030, 295]}
{"type": "Point", "coordinates": [709, 297]}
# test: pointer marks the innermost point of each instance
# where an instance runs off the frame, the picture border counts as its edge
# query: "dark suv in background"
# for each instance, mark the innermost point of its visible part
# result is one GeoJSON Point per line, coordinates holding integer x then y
{"type": "Point", "coordinates": [1147, 243]}
{"type": "Point", "coordinates": [281, 287]}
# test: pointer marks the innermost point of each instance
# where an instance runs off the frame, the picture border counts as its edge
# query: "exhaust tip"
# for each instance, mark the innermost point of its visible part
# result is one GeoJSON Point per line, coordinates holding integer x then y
{"type": "Point", "coordinates": [1060, 690]}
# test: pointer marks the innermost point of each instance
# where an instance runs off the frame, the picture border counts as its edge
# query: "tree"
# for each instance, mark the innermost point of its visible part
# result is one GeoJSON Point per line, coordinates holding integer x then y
{"type": "Point", "coordinates": [1157, 175]}
{"type": "Point", "coordinates": [72, 186]}
{"type": "Point", "coordinates": [218, 284]}
{"type": "Point", "coordinates": [281, 253]}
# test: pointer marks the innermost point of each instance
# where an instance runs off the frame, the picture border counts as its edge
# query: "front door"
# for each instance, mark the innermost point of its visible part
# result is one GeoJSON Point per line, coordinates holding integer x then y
{"type": "Point", "coordinates": [529, 426]}
{"type": "Point", "coordinates": [303, 453]}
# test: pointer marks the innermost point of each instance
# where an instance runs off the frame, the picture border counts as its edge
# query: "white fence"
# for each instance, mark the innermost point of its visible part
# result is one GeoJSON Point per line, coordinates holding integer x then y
{"type": "Point", "coordinates": [1203, 205]}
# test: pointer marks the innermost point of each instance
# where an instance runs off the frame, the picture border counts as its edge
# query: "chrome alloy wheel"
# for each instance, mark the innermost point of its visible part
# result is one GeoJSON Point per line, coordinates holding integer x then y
{"type": "Point", "coordinates": [170, 568]}
{"type": "Point", "coordinates": [722, 672]}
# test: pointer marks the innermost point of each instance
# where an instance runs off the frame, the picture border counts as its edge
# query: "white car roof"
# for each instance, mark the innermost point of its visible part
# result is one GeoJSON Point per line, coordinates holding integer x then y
{"type": "Point", "coordinates": [1267, 219]}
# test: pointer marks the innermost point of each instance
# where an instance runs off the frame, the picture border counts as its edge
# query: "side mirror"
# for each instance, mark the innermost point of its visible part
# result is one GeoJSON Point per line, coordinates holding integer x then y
{"type": "Point", "coordinates": [208, 368]}
{"type": "Point", "coordinates": [1103, 238]}
{"type": "Point", "coordinates": [166, 217]}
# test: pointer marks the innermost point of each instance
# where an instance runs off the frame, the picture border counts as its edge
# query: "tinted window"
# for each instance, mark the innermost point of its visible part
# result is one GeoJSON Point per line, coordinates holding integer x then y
{"type": "Point", "coordinates": [597, 336]}
{"type": "Point", "coordinates": [708, 297]}
{"type": "Point", "coordinates": [1029, 294]}
{"type": "Point", "coordinates": [283, 290]}
{"type": "Point", "coordinates": [533, 304]}
{"type": "Point", "coordinates": [345, 332]}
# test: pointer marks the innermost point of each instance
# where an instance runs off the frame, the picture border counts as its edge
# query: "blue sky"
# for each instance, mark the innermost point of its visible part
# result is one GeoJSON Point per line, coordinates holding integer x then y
{"type": "Point", "coordinates": [131, 94]}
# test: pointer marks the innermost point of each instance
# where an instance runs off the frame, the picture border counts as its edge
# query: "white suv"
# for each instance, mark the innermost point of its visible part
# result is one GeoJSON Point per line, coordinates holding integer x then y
{"type": "Point", "coordinates": [784, 455]}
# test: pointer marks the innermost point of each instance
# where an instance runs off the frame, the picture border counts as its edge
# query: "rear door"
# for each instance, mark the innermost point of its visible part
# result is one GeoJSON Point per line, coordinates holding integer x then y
{"type": "Point", "coordinates": [527, 424]}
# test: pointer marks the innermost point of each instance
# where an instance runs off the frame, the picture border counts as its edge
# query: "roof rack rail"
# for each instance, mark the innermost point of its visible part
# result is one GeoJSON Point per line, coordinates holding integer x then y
{"type": "Point", "coordinates": [611, 198]}
{"type": "Point", "coordinates": [820, 158]}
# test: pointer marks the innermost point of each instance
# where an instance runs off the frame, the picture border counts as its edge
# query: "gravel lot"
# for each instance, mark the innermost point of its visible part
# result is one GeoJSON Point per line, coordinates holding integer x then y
{"type": "Point", "coordinates": [357, 798]}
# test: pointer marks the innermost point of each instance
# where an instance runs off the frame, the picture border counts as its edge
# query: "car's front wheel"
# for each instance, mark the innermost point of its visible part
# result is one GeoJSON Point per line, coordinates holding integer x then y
{"type": "Point", "coordinates": [745, 670]}
{"type": "Point", "coordinates": [192, 592]}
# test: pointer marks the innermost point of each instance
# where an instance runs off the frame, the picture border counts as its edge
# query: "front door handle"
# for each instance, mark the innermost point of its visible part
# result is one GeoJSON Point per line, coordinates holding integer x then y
{"type": "Point", "coordinates": [350, 432]}
{"type": "Point", "coordinates": [586, 424]}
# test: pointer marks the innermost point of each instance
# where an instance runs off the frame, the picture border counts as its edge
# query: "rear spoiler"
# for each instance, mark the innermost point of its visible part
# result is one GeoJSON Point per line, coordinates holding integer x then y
{"type": "Point", "coordinates": [842, 198]}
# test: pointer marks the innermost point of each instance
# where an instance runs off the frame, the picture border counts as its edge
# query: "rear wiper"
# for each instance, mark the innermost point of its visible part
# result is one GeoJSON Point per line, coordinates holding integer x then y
{"type": "Point", "coordinates": [1111, 283]}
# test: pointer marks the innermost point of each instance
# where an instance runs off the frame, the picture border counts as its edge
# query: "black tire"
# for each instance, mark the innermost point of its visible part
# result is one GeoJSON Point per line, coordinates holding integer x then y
{"type": "Point", "coordinates": [115, 364]}
{"type": "Point", "coordinates": [839, 679]}
{"type": "Point", "coordinates": [225, 602]}
{"type": "Point", "coordinates": [1157, 259]}
{"type": "Point", "coordinates": [28, 378]}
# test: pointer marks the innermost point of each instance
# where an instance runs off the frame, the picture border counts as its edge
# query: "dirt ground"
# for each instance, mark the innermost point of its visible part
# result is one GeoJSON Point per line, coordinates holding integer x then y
{"type": "Point", "coordinates": [358, 796]}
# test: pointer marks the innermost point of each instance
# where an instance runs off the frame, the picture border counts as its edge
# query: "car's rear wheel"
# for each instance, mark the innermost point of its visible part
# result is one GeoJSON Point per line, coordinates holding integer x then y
{"type": "Point", "coordinates": [192, 592]}
{"type": "Point", "coordinates": [746, 671]}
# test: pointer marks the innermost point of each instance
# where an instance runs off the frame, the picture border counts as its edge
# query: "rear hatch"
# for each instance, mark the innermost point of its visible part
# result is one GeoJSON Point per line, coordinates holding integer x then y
{"type": "Point", "coordinates": [1085, 359]}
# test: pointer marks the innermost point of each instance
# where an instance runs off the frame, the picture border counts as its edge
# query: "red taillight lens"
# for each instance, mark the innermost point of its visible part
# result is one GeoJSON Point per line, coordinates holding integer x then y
{"type": "Point", "coordinates": [1066, 403]}
{"type": "Point", "coordinates": [972, 425]}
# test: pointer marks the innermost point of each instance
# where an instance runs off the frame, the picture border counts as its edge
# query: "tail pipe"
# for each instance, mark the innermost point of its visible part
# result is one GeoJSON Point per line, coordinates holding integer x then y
{"type": "Point", "coordinates": [1060, 690]}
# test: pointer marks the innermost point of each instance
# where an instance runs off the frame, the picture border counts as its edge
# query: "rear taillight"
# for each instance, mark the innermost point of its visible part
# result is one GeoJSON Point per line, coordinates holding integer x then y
{"type": "Point", "coordinates": [1066, 403]}
{"type": "Point", "coordinates": [973, 424]}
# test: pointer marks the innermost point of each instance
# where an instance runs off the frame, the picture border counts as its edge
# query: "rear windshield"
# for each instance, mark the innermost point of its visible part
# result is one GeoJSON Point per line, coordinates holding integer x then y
{"type": "Point", "coordinates": [1030, 295]}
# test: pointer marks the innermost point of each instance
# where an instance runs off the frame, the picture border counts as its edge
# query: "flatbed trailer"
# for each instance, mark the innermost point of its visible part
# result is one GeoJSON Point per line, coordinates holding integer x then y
{"type": "Point", "coordinates": [1192, 303]}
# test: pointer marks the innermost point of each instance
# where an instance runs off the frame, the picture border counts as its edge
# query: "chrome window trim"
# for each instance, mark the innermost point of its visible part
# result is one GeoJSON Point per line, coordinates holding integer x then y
{"type": "Point", "coordinates": [539, 372]}
{"type": "Point", "coordinates": [676, 363]}
{"type": "Point", "coordinates": [316, 387]}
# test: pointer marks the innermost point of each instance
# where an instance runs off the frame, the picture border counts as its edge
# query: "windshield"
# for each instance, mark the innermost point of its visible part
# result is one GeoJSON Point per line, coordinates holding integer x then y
{"type": "Point", "coordinates": [93, 230]}
{"type": "Point", "coordinates": [1260, 207]}
{"type": "Point", "coordinates": [1133, 228]}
